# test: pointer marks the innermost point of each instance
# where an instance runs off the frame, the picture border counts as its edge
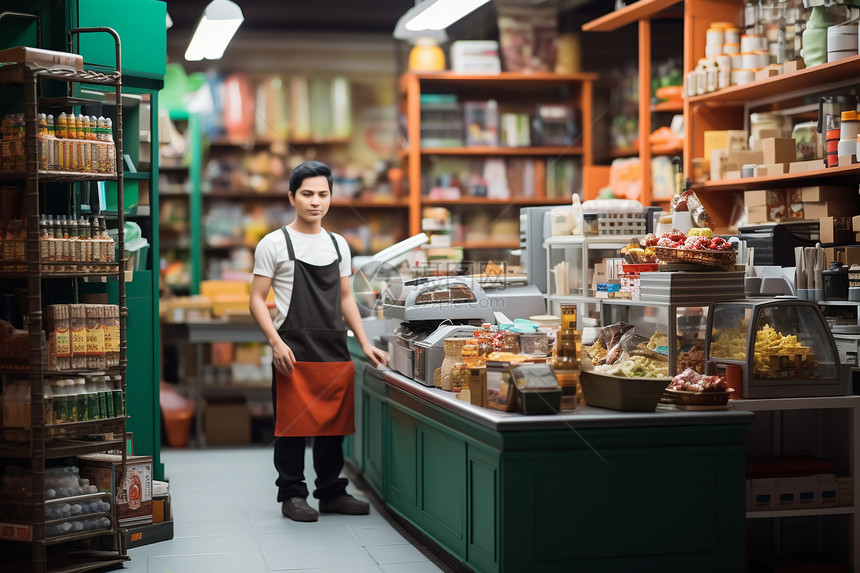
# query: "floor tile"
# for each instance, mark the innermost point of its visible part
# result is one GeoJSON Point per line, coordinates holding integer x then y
{"type": "Point", "coordinates": [279, 558]}
{"type": "Point", "coordinates": [226, 518]}
{"type": "Point", "coordinates": [427, 567]}
{"type": "Point", "coordinates": [248, 563]}
{"type": "Point", "coordinates": [403, 553]}
{"type": "Point", "coordinates": [377, 534]}
{"type": "Point", "coordinates": [244, 542]}
{"type": "Point", "coordinates": [315, 535]}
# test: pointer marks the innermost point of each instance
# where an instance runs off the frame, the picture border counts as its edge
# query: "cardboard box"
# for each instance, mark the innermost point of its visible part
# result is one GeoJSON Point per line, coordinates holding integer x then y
{"type": "Point", "coordinates": [763, 492]}
{"type": "Point", "coordinates": [772, 201]}
{"type": "Point", "coordinates": [779, 150]}
{"type": "Point", "coordinates": [727, 139]}
{"type": "Point", "coordinates": [835, 230]}
{"type": "Point", "coordinates": [828, 490]}
{"type": "Point", "coordinates": [786, 494]}
{"type": "Point", "coordinates": [795, 204]}
{"type": "Point", "coordinates": [828, 193]}
{"type": "Point", "coordinates": [719, 164]}
{"type": "Point", "coordinates": [226, 421]}
{"type": "Point", "coordinates": [797, 492]}
{"type": "Point", "coordinates": [747, 157]}
{"type": "Point", "coordinates": [47, 58]}
{"type": "Point", "coordinates": [793, 66]}
{"type": "Point", "coordinates": [770, 170]}
{"type": "Point", "coordinates": [757, 214]}
{"type": "Point", "coordinates": [802, 166]}
{"type": "Point", "coordinates": [828, 209]}
{"type": "Point", "coordinates": [133, 495]}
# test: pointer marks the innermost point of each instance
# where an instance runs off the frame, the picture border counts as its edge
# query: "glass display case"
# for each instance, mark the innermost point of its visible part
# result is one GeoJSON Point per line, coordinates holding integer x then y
{"type": "Point", "coordinates": [657, 323]}
{"type": "Point", "coordinates": [784, 347]}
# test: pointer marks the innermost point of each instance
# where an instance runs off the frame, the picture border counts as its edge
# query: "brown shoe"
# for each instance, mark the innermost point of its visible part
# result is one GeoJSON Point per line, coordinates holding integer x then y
{"type": "Point", "coordinates": [345, 504]}
{"type": "Point", "coordinates": [297, 509]}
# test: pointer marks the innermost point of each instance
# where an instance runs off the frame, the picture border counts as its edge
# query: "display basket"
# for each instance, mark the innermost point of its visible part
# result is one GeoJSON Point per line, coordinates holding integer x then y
{"type": "Point", "coordinates": [721, 259]}
{"type": "Point", "coordinates": [697, 400]}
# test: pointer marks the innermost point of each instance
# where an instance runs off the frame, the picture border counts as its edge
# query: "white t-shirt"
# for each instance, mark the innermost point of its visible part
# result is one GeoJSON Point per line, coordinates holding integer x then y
{"type": "Point", "coordinates": [272, 260]}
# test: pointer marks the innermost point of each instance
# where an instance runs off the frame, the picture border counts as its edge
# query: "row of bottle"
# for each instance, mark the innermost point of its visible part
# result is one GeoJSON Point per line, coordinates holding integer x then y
{"type": "Point", "coordinates": [77, 143]}
{"type": "Point", "coordinates": [70, 245]}
{"type": "Point", "coordinates": [83, 336]}
{"type": "Point", "coordinates": [66, 400]}
{"type": "Point", "coordinates": [76, 243]}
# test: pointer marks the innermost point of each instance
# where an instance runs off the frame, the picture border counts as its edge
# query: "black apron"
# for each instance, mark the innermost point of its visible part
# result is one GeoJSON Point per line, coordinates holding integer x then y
{"type": "Point", "coordinates": [317, 398]}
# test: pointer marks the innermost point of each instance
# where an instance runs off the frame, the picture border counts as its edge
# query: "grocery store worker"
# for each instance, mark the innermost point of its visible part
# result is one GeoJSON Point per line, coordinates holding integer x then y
{"type": "Point", "coordinates": [312, 376]}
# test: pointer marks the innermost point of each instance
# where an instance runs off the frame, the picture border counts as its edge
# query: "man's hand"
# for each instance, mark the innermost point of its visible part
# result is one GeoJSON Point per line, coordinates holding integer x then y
{"type": "Point", "coordinates": [283, 357]}
{"type": "Point", "coordinates": [377, 356]}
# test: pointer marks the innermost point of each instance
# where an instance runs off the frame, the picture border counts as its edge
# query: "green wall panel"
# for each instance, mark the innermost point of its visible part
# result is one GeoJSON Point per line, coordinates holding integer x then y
{"type": "Point", "coordinates": [443, 486]}
{"type": "Point", "coordinates": [141, 25]}
{"type": "Point", "coordinates": [402, 461]}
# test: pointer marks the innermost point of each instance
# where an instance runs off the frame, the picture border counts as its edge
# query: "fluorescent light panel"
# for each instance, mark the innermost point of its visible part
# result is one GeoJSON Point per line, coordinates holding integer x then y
{"type": "Point", "coordinates": [442, 13]}
{"type": "Point", "coordinates": [219, 23]}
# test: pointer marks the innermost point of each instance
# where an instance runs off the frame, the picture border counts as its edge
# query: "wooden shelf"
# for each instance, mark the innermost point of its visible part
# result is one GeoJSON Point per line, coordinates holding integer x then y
{"type": "Point", "coordinates": [265, 142]}
{"type": "Point", "coordinates": [363, 204]}
{"type": "Point", "coordinates": [655, 151]}
{"type": "Point", "coordinates": [501, 202]}
{"type": "Point", "coordinates": [640, 10]}
{"type": "Point", "coordinates": [850, 172]}
{"type": "Point", "coordinates": [675, 106]}
{"type": "Point", "coordinates": [487, 151]}
{"type": "Point", "coordinates": [805, 79]}
{"type": "Point", "coordinates": [488, 244]}
{"type": "Point", "coordinates": [504, 77]}
{"type": "Point", "coordinates": [814, 511]}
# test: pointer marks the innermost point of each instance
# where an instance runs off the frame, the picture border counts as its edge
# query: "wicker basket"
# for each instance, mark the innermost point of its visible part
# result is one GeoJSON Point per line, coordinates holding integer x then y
{"type": "Point", "coordinates": [723, 259]}
{"type": "Point", "coordinates": [697, 400]}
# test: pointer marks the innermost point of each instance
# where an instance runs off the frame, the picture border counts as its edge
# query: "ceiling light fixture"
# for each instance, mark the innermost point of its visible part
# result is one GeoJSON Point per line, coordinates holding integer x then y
{"type": "Point", "coordinates": [440, 14]}
{"type": "Point", "coordinates": [220, 20]}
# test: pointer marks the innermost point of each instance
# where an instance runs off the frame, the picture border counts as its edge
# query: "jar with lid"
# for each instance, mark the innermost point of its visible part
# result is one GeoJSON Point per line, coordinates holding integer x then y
{"type": "Point", "coordinates": [453, 354]}
{"type": "Point", "coordinates": [469, 352]}
{"type": "Point", "coordinates": [459, 377]}
{"type": "Point", "coordinates": [766, 121]}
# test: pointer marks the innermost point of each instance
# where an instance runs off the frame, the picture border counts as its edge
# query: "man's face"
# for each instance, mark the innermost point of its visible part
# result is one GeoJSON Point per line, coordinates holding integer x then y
{"type": "Point", "coordinates": [312, 199]}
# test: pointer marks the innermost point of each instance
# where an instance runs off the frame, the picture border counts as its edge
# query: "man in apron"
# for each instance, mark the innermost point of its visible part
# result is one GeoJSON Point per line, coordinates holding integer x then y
{"type": "Point", "coordinates": [313, 376]}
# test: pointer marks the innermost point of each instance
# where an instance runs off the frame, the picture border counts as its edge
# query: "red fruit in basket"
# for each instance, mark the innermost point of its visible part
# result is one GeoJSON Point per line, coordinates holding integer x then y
{"type": "Point", "coordinates": [677, 236]}
{"type": "Point", "coordinates": [696, 243]}
{"type": "Point", "coordinates": [650, 240]}
{"type": "Point", "coordinates": [667, 242]}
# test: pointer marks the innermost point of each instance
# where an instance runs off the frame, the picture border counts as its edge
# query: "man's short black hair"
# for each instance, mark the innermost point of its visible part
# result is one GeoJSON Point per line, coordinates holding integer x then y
{"type": "Point", "coordinates": [309, 169]}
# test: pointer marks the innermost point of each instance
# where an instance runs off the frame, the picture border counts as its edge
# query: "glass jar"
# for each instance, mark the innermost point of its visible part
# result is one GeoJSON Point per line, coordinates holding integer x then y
{"type": "Point", "coordinates": [459, 377]}
{"type": "Point", "coordinates": [566, 350]}
{"type": "Point", "coordinates": [453, 354]}
{"type": "Point", "coordinates": [511, 342]}
{"type": "Point", "coordinates": [469, 353]}
{"type": "Point", "coordinates": [808, 141]}
{"type": "Point", "coordinates": [534, 343]}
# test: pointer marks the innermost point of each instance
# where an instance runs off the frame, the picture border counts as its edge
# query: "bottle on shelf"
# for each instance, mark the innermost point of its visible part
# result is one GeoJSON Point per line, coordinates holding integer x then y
{"type": "Point", "coordinates": [81, 400]}
{"type": "Point", "coordinates": [118, 397]}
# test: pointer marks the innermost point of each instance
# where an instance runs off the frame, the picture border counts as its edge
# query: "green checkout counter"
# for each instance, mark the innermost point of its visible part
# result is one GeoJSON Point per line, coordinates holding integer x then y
{"type": "Point", "coordinates": [588, 490]}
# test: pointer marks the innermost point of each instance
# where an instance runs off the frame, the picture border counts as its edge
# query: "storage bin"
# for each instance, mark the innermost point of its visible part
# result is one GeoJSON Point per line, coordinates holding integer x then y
{"type": "Point", "coordinates": [621, 393]}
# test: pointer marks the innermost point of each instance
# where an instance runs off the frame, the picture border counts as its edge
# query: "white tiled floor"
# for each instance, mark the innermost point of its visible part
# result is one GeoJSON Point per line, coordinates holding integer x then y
{"type": "Point", "coordinates": [227, 519]}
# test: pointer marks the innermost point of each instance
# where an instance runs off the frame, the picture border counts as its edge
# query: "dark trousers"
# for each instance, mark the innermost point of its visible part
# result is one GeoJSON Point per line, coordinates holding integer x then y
{"type": "Point", "coordinates": [328, 463]}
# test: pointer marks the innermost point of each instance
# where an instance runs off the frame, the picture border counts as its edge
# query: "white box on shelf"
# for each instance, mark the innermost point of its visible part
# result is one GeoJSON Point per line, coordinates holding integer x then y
{"type": "Point", "coordinates": [828, 490]}
{"type": "Point", "coordinates": [475, 57]}
{"type": "Point", "coordinates": [763, 492]}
